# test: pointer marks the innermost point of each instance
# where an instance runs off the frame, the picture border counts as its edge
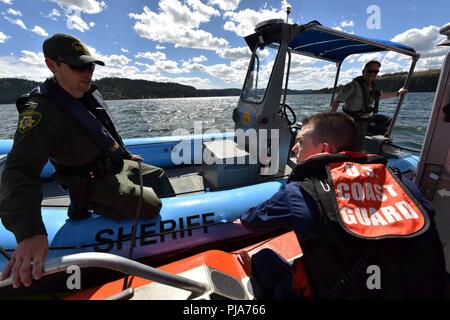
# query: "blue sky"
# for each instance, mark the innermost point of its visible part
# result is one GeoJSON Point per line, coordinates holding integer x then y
{"type": "Point", "coordinates": [200, 42]}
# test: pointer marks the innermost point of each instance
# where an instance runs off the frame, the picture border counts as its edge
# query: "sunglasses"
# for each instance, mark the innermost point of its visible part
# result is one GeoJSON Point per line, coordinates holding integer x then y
{"type": "Point", "coordinates": [373, 71]}
{"type": "Point", "coordinates": [85, 67]}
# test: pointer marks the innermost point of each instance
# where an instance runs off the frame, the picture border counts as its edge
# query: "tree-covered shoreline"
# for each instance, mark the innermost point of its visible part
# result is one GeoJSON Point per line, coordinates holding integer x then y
{"type": "Point", "coordinates": [121, 88]}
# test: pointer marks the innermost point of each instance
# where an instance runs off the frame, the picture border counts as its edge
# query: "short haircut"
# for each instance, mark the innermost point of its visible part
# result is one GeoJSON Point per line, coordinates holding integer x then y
{"type": "Point", "coordinates": [334, 128]}
{"type": "Point", "coordinates": [372, 62]}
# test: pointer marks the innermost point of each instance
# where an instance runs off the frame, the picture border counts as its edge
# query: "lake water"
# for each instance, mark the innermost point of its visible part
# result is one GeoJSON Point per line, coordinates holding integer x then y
{"type": "Point", "coordinates": [160, 117]}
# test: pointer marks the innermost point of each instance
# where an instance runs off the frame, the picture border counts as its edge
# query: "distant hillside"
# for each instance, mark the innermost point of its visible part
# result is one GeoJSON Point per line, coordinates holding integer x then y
{"type": "Point", "coordinates": [11, 88]}
{"type": "Point", "coordinates": [421, 81]}
{"type": "Point", "coordinates": [120, 88]}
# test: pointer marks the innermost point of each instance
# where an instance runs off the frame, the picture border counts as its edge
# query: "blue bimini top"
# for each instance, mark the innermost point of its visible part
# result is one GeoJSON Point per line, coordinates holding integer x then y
{"type": "Point", "coordinates": [314, 40]}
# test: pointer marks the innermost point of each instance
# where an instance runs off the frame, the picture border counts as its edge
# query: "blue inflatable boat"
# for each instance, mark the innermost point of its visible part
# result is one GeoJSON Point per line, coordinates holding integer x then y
{"type": "Point", "coordinates": [185, 222]}
{"type": "Point", "coordinates": [213, 194]}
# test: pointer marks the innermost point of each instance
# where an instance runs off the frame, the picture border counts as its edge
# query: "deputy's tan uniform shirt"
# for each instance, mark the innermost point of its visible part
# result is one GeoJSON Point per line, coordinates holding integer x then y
{"type": "Point", "coordinates": [353, 97]}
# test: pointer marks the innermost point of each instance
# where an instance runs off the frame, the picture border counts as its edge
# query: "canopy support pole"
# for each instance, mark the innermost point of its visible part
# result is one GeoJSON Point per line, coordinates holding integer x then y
{"type": "Point", "coordinates": [338, 64]}
{"type": "Point", "coordinates": [400, 101]}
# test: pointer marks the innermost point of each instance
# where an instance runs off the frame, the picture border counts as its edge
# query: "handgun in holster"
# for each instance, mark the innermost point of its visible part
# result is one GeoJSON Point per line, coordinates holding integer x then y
{"type": "Point", "coordinates": [78, 187]}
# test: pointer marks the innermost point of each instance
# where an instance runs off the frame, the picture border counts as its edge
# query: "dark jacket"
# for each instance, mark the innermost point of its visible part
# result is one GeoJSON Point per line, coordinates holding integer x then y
{"type": "Point", "coordinates": [410, 268]}
{"type": "Point", "coordinates": [44, 131]}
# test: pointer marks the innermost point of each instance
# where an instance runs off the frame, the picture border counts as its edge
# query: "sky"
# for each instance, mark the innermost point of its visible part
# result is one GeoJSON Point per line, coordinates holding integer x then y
{"type": "Point", "coordinates": [200, 42]}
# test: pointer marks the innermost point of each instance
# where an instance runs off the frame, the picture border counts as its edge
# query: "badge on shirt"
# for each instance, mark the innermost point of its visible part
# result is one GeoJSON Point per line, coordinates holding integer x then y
{"type": "Point", "coordinates": [28, 120]}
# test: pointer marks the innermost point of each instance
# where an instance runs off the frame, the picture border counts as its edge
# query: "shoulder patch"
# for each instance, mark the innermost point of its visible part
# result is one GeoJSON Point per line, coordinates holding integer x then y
{"type": "Point", "coordinates": [28, 120]}
{"type": "Point", "coordinates": [31, 105]}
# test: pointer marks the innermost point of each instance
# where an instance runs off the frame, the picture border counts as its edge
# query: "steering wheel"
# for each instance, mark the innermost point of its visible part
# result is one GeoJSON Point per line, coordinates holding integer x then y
{"type": "Point", "coordinates": [283, 113]}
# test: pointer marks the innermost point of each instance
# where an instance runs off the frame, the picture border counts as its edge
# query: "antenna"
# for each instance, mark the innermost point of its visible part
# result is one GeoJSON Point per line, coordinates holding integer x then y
{"type": "Point", "coordinates": [288, 12]}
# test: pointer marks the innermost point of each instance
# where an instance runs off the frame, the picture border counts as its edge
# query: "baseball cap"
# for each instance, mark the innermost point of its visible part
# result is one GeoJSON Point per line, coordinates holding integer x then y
{"type": "Point", "coordinates": [68, 49]}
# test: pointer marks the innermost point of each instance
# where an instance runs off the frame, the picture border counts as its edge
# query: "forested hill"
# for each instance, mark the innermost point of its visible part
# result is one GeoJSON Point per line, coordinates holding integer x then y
{"type": "Point", "coordinates": [120, 88]}
{"type": "Point", "coordinates": [422, 81]}
{"type": "Point", "coordinates": [117, 89]}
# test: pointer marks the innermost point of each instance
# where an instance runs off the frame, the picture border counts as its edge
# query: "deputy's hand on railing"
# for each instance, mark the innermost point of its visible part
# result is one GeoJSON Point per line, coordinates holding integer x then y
{"type": "Point", "coordinates": [136, 157]}
{"type": "Point", "coordinates": [402, 91]}
{"type": "Point", "coordinates": [27, 261]}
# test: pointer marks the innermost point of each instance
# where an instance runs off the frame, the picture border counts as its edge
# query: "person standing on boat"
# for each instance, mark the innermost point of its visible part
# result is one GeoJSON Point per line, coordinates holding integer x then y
{"type": "Point", "coordinates": [362, 97]}
{"type": "Point", "coordinates": [365, 232]}
{"type": "Point", "coordinates": [67, 121]}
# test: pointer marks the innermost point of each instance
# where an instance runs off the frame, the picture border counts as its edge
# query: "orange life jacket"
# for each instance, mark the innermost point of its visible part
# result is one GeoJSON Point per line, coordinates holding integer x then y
{"type": "Point", "coordinates": [372, 203]}
{"type": "Point", "coordinates": [362, 206]}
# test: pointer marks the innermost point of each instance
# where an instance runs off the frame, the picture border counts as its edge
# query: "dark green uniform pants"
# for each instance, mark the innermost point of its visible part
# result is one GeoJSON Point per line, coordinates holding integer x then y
{"type": "Point", "coordinates": [117, 196]}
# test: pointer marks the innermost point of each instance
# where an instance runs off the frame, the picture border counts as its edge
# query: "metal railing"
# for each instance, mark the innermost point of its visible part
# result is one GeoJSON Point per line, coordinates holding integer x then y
{"type": "Point", "coordinates": [120, 264]}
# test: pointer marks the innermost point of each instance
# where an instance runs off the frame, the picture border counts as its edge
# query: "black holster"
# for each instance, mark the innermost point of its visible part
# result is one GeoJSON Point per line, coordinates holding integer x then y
{"type": "Point", "coordinates": [77, 181]}
{"type": "Point", "coordinates": [78, 187]}
{"type": "Point", "coordinates": [79, 193]}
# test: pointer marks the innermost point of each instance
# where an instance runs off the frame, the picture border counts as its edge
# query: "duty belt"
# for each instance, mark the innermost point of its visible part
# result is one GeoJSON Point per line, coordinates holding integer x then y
{"type": "Point", "coordinates": [68, 175]}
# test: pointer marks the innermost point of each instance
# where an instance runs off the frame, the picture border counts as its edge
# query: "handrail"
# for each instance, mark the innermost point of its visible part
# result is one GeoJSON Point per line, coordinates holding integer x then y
{"type": "Point", "coordinates": [338, 64]}
{"type": "Point", "coordinates": [402, 96]}
{"type": "Point", "coordinates": [120, 264]}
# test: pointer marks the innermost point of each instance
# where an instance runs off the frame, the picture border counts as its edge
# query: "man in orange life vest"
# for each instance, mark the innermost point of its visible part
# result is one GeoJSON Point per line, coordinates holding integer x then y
{"type": "Point", "coordinates": [351, 215]}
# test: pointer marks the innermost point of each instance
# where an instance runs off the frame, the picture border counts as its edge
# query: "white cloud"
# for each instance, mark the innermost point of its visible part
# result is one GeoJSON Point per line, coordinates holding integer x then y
{"type": "Point", "coordinates": [338, 28]}
{"type": "Point", "coordinates": [40, 31]}
{"type": "Point", "coordinates": [154, 56]}
{"type": "Point", "coordinates": [233, 73]}
{"type": "Point", "coordinates": [234, 53]}
{"type": "Point", "coordinates": [17, 22]}
{"type": "Point", "coordinates": [29, 66]}
{"type": "Point", "coordinates": [3, 37]}
{"type": "Point", "coordinates": [178, 23]}
{"type": "Point", "coordinates": [310, 77]}
{"type": "Point", "coordinates": [73, 10]}
{"type": "Point", "coordinates": [124, 50]}
{"type": "Point", "coordinates": [347, 23]}
{"type": "Point", "coordinates": [226, 5]}
{"type": "Point", "coordinates": [87, 6]}
{"type": "Point", "coordinates": [169, 66]}
{"type": "Point", "coordinates": [113, 60]}
{"type": "Point", "coordinates": [203, 9]}
{"type": "Point", "coordinates": [430, 63]}
{"type": "Point", "coordinates": [160, 47]}
{"type": "Point", "coordinates": [13, 12]}
{"type": "Point", "coordinates": [116, 60]}
{"type": "Point", "coordinates": [193, 67]}
{"type": "Point", "coordinates": [77, 23]}
{"type": "Point", "coordinates": [54, 14]}
{"type": "Point", "coordinates": [389, 66]}
{"type": "Point", "coordinates": [364, 58]}
{"type": "Point", "coordinates": [6, 1]}
{"type": "Point", "coordinates": [200, 59]}
{"type": "Point", "coordinates": [243, 22]}
{"type": "Point", "coordinates": [33, 58]}
{"type": "Point", "coordinates": [423, 40]}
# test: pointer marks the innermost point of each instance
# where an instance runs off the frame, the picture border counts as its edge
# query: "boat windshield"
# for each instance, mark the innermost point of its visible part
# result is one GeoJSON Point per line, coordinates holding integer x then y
{"type": "Point", "coordinates": [259, 73]}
